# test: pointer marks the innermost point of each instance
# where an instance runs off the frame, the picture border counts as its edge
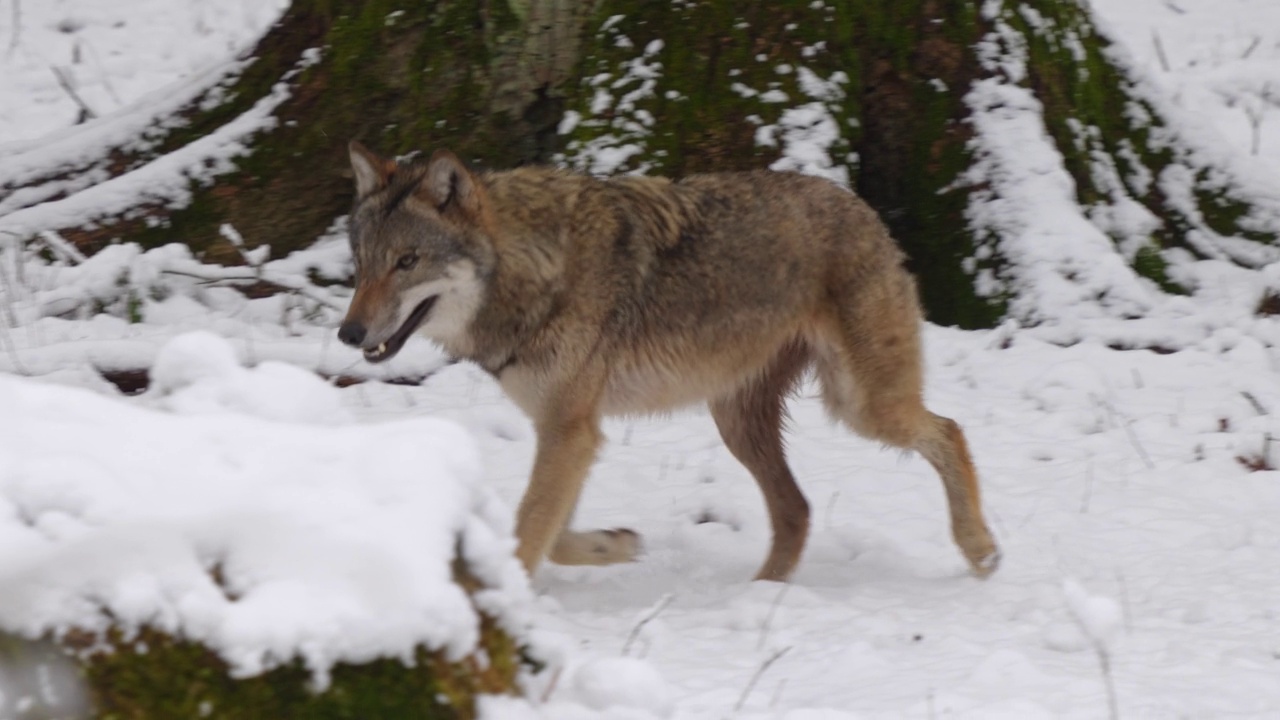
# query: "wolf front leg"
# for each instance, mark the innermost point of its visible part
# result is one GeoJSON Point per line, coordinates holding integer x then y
{"type": "Point", "coordinates": [566, 449]}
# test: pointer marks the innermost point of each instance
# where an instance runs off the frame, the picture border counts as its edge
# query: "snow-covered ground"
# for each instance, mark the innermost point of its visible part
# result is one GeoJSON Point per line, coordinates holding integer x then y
{"type": "Point", "coordinates": [110, 54]}
{"type": "Point", "coordinates": [1132, 474]}
{"type": "Point", "coordinates": [1220, 58]}
{"type": "Point", "coordinates": [236, 507]}
{"type": "Point", "coordinates": [1133, 492]}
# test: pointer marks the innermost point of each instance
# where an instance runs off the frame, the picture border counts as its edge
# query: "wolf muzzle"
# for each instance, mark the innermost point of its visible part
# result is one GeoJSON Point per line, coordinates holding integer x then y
{"type": "Point", "coordinates": [355, 334]}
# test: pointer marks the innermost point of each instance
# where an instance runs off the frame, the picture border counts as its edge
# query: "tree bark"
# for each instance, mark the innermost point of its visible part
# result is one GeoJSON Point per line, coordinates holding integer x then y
{"type": "Point", "coordinates": [876, 92]}
{"type": "Point", "coordinates": [401, 76]}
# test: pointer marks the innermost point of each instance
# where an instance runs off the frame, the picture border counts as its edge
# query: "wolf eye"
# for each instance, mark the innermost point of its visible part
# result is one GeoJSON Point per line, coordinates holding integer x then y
{"type": "Point", "coordinates": [407, 261]}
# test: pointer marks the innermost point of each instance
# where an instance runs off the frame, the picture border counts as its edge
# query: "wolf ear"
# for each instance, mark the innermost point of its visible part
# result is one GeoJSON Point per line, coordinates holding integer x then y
{"type": "Point", "coordinates": [449, 182]}
{"type": "Point", "coordinates": [371, 172]}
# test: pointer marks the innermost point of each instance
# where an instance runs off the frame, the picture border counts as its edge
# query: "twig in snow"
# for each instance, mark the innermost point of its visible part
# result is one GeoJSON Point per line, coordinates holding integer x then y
{"type": "Point", "coordinates": [10, 322]}
{"type": "Point", "coordinates": [12, 351]}
{"type": "Point", "coordinates": [10, 292]}
{"type": "Point", "coordinates": [65, 82]}
{"type": "Point", "coordinates": [103, 75]}
{"type": "Point", "coordinates": [1137, 446]}
{"type": "Point", "coordinates": [1253, 400]}
{"type": "Point", "coordinates": [253, 258]}
{"type": "Point", "coordinates": [764, 666]}
{"type": "Point", "coordinates": [19, 267]}
{"type": "Point", "coordinates": [1164, 59]}
{"type": "Point", "coordinates": [657, 608]}
{"type": "Point", "coordinates": [1256, 114]}
{"type": "Point", "coordinates": [17, 28]}
{"type": "Point", "coordinates": [1104, 660]}
{"type": "Point", "coordinates": [61, 247]}
{"type": "Point", "coordinates": [768, 618]}
{"type": "Point", "coordinates": [551, 686]}
{"type": "Point", "coordinates": [1088, 492]}
{"type": "Point", "coordinates": [1127, 424]}
{"type": "Point", "coordinates": [233, 236]}
{"type": "Point", "coordinates": [11, 318]}
{"type": "Point", "coordinates": [1125, 609]}
{"type": "Point", "coordinates": [777, 693]}
{"type": "Point", "coordinates": [1252, 46]}
{"type": "Point", "coordinates": [229, 275]}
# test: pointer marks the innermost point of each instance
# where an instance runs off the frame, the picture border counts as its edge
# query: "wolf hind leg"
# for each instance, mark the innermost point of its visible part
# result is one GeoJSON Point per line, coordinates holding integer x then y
{"type": "Point", "coordinates": [872, 379]}
{"type": "Point", "coordinates": [943, 445]}
{"type": "Point", "coordinates": [750, 422]}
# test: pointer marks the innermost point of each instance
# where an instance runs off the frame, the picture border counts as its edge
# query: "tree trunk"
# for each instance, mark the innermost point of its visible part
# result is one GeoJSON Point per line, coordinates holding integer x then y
{"type": "Point", "coordinates": [274, 127]}
{"type": "Point", "coordinates": [905, 100]}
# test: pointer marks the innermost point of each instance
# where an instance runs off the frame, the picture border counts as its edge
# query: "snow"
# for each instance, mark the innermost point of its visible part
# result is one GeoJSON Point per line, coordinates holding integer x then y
{"type": "Point", "coordinates": [1062, 271]}
{"type": "Point", "coordinates": [1221, 54]}
{"type": "Point", "coordinates": [1134, 493]}
{"type": "Point", "coordinates": [609, 682]}
{"type": "Point", "coordinates": [881, 620]}
{"type": "Point", "coordinates": [1099, 617]}
{"type": "Point", "coordinates": [243, 509]}
{"type": "Point", "coordinates": [199, 373]}
{"type": "Point", "coordinates": [616, 94]}
{"type": "Point", "coordinates": [115, 53]}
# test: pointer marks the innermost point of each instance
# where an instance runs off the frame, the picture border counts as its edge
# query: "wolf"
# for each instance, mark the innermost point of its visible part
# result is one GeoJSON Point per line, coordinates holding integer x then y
{"type": "Point", "coordinates": [588, 297]}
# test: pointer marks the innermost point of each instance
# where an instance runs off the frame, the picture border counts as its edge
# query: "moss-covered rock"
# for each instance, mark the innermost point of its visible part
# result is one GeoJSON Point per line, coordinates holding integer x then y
{"type": "Point", "coordinates": [274, 559]}
{"type": "Point", "coordinates": [152, 675]}
{"type": "Point", "coordinates": [149, 674]}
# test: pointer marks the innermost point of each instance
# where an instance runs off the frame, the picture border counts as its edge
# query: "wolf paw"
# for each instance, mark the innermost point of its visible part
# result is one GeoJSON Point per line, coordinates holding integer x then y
{"type": "Point", "coordinates": [597, 547]}
{"type": "Point", "coordinates": [982, 567]}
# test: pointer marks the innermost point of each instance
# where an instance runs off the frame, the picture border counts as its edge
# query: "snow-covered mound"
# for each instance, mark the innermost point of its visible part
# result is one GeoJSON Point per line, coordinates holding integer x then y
{"type": "Point", "coordinates": [264, 540]}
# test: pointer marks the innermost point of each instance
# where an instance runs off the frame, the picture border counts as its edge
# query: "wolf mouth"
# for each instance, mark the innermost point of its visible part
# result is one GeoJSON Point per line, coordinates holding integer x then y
{"type": "Point", "coordinates": [389, 347]}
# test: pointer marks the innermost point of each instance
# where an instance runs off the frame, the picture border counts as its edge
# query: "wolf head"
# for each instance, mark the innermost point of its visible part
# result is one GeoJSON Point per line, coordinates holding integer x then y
{"type": "Point", "coordinates": [418, 237]}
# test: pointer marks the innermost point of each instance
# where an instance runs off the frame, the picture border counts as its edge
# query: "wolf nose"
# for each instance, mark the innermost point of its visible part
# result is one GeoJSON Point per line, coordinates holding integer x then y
{"type": "Point", "coordinates": [351, 333]}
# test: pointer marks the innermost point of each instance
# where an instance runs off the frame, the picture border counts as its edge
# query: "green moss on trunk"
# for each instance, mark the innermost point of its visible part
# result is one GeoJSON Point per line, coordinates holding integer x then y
{"type": "Point", "coordinates": [914, 147]}
{"type": "Point", "coordinates": [400, 76]}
